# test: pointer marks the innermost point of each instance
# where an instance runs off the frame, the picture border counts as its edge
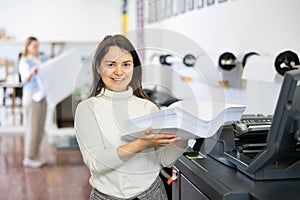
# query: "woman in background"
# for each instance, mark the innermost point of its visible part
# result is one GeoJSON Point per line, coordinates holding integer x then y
{"type": "Point", "coordinates": [34, 102]}
{"type": "Point", "coordinates": [121, 169]}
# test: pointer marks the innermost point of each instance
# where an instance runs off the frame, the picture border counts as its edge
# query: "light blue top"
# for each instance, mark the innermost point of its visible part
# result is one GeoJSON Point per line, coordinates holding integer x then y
{"type": "Point", "coordinates": [26, 64]}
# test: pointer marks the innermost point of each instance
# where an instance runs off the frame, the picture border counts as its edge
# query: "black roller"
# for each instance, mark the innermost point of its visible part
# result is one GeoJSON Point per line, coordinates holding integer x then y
{"type": "Point", "coordinates": [163, 59]}
{"type": "Point", "coordinates": [189, 60]}
{"type": "Point", "coordinates": [227, 61]}
{"type": "Point", "coordinates": [286, 61]}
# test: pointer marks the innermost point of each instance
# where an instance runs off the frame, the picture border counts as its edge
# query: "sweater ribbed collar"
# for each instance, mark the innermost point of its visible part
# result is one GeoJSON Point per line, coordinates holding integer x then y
{"type": "Point", "coordinates": [115, 95]}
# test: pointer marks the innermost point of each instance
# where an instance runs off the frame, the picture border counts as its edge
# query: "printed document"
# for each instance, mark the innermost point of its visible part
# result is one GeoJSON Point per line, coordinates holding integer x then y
{"type": "Point", "coordinates": [189, 119]}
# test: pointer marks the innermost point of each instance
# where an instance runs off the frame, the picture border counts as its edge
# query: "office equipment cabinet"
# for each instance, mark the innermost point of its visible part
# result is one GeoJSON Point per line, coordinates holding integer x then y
{"type": "Point", "coordinates": [209, 179]}
{"type": "Point", "coordinates": [183, 187]}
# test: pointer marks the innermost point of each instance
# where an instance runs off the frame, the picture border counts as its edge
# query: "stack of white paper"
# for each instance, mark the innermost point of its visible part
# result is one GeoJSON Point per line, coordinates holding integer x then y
{"type": "Point", "coordinates": [187, 119]}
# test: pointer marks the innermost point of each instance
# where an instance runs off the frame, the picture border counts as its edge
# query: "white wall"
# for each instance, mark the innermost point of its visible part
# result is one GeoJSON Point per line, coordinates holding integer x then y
{"type": "Point", "coordinates": [266, 26]}
{"type": "Point", "coordinates": [60, 20]}
{"type": "Point", "coordinates": [239, 26]}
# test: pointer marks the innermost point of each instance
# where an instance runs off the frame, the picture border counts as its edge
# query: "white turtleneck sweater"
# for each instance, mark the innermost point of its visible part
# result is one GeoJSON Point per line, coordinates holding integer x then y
{"type": "Point", "coordinates": [98, 125]}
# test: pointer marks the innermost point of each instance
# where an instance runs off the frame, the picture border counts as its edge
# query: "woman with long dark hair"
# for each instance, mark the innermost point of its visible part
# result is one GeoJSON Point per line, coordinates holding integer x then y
{"type": "Point", "coordinates": [121, 169]}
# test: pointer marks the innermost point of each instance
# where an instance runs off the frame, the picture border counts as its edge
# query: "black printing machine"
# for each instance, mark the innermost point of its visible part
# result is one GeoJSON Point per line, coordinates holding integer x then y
{"type": "Point", "coordinates": [264, 147]}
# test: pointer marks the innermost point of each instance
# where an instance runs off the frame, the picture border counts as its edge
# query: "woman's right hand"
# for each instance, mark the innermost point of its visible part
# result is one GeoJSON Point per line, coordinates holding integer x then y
{"type": "Point", "coordinates": [34, 70]}
{"type": "Point", "coordinates": [149, 139]}
{"type": "Point", "coordinates": [145, 141]}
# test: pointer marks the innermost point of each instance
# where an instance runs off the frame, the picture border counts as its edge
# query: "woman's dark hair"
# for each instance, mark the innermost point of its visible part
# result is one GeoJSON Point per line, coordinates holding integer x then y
{"type": "Point", "coordinates": [123, 43]}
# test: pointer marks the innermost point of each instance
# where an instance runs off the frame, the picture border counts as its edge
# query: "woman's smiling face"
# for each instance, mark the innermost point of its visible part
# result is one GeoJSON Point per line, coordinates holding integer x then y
{"type": "Point", "coordinates": [116, 69]}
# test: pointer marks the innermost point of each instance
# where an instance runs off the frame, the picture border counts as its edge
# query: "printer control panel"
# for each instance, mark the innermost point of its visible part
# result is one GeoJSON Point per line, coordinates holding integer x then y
{"type": "Point", "coordinates": [252, 123]}
{"type": "Point", "coordinates": [250, 133]}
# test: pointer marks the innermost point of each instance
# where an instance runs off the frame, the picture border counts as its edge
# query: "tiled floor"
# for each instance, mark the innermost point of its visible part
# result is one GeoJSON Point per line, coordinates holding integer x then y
{"type": "Point", "coordinates": [53, 181]}
{"type": "Point", "coordinates": [57, 180]}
